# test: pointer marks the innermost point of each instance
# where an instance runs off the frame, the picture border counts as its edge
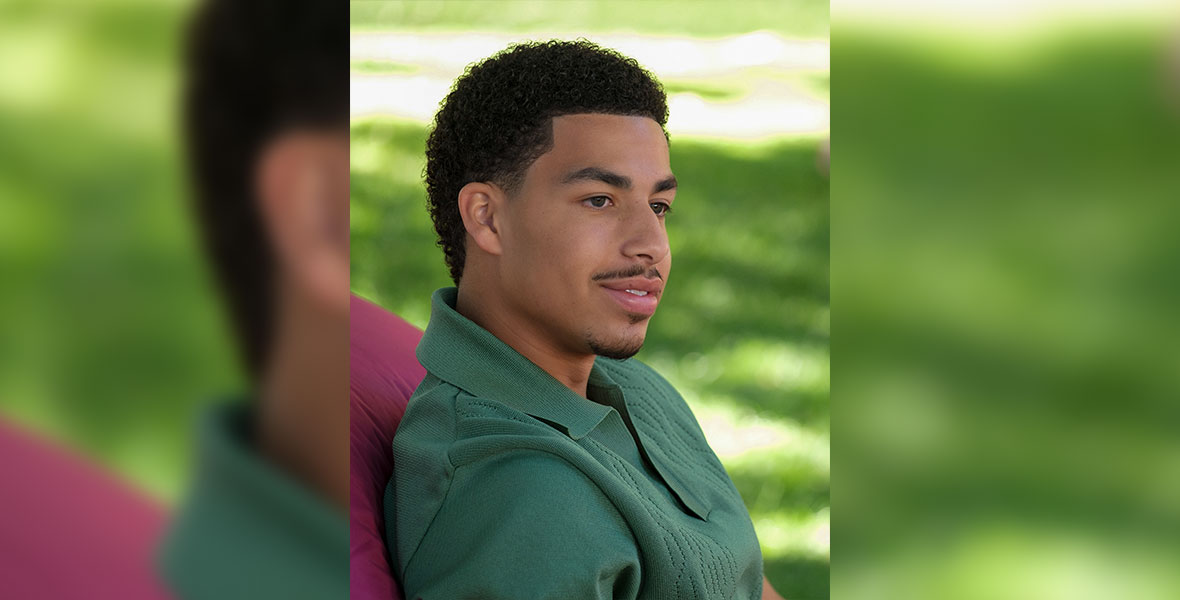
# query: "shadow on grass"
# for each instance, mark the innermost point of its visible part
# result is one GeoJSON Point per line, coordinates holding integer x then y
{"type": "Point", "coordinates": [799, 578]}
{"type": "Point", "coordinates": [792, 487]}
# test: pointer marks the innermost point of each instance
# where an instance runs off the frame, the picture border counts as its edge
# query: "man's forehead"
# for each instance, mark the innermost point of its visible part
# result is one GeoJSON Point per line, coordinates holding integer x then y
{"type": "Point", "coordinates": [615, 142]}
{"type": "Point", "coordinates": [596, 125]}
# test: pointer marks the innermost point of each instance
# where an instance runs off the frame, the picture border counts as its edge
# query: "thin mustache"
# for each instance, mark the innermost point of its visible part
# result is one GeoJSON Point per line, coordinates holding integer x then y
{"type": "Point", "coordinates": [635, 271]}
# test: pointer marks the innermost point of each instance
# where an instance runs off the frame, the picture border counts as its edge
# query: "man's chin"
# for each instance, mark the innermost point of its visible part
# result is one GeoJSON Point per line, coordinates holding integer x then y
{"type": "Point", "coordinates": [637, 318]}
{"type": "Point", "coordinates": [615, 352]}
{"type": "Point", "coordinates": [618, 350]}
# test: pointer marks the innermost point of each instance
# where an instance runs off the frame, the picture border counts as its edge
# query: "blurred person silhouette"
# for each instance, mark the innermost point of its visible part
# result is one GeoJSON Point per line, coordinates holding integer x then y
{"type": "Point", "coordinates": [266, 124]}
{"type": "Point", "coordinates": [537, 459]}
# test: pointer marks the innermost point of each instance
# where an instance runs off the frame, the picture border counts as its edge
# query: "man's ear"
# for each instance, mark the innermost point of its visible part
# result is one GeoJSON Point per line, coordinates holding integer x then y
{"type": "Point", "coordinates": [302, 192]}
{"type": "Point", "coordinates": [481, 205]}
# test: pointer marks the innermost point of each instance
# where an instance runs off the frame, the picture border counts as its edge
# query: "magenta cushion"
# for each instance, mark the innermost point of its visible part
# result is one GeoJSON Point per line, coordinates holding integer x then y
{"type": "Point", "coordinates": [69, 529]}
{"type": "Point", "coordinates": [383, 373]}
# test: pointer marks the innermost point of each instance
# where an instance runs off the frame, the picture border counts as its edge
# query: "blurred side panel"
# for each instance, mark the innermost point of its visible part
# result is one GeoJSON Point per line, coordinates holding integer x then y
{"type": "Point", "coordinates": [1005, 273]}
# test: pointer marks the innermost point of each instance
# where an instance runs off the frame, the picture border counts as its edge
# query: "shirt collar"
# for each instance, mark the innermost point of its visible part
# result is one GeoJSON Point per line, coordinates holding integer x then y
{"type": "Point", "coordinates": [458, 351]}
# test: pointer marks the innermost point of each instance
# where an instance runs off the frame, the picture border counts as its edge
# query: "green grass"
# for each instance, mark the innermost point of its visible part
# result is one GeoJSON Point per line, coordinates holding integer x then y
{"type": "Point", "coordinates": [383, 67]}
{"type": "Point", "coordinates": [743, 331]}
{"type": "Point", "coordinates": [713, 93]}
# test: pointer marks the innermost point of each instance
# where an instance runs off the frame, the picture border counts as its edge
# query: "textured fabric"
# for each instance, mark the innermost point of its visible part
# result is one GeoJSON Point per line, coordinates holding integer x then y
{"type": "Point", "coordinates": [508, 485]}
{"type": "Point", "coordinates": [383, 373]}
{"type": "Point", "coordinates": [246, 530]}
{"type": "Point", "coordinates": [70, 530]}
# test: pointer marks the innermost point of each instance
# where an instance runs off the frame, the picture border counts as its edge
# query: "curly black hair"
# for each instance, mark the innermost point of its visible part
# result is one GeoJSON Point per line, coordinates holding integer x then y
{"type": "Point", "coordinates": [498, 119]}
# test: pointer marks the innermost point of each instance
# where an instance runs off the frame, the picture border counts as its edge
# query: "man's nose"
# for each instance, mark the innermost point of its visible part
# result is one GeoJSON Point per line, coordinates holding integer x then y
{"type": "Point", "coordinates": [646, 237]}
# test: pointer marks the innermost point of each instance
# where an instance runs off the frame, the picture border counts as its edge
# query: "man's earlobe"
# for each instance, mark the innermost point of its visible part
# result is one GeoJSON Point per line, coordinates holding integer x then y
{"type": "Point", "coordinates": [479, 205]}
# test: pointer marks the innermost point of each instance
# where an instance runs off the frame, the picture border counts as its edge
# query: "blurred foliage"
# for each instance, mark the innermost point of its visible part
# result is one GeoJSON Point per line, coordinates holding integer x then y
{"type": "Point", "coordinates": [742, 332]}
{"type": "Point", "coordinates": [110, 337]}
{"type": "Point", "coordinates": [1006, 268]}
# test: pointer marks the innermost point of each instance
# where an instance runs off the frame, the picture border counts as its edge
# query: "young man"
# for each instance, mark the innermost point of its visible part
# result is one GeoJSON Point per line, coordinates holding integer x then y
{"type": "Point", "coordinates": [537, 460]}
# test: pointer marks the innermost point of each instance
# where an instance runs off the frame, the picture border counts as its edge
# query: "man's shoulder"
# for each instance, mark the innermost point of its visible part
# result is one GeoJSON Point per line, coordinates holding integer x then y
{"type": "Point", "coordinates": [442, 415]}
{"type": "Point", "coordinates": [429, 409]}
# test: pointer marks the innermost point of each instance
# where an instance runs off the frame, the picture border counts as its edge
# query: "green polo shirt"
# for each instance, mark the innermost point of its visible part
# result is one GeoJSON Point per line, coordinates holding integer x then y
{"type": "Point", "coordinates": [507, 484]}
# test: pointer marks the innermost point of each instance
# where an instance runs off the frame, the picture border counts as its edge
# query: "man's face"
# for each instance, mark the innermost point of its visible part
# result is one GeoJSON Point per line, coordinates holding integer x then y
{"type": "Point", "coordinates": [585, 227]}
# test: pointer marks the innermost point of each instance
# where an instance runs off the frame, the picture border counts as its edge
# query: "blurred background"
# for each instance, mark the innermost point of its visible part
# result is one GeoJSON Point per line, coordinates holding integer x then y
{"type": "Point", "coordinates": [1006, 266]}
{"type": "Point", "coordinates": [111, 336]}
{"type": "Point", "coordinates": [743, 332]}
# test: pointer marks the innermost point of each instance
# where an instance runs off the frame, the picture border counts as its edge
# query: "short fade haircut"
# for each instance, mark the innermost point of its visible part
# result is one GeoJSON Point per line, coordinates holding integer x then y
{"type": "Point", "coordinates": [498, 119]}
{"type": "Point", "coordinates": [255, 69]}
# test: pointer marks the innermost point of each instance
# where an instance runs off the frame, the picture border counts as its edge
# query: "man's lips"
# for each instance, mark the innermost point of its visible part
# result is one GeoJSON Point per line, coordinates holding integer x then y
{"type": "Point", "coordinates": [642, 284]}
{"type": "Point", "coordinates": [633, 303]}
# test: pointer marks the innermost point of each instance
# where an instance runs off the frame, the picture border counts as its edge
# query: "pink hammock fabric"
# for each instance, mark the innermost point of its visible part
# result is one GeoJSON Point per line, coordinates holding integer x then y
{"type": "Point", "coordinates": [71, 530]}
{"type": "Point", "coordinates": [383, 373]}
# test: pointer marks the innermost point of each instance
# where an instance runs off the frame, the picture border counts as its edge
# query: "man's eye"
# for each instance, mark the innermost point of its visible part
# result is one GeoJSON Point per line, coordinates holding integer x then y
{"type": "Point", "coordinates": [661, 208]}
{"type": "Point", "coordinates": [597, 201]}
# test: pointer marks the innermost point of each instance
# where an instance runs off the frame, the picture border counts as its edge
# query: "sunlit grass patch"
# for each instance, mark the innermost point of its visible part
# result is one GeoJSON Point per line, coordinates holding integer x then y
{"type": "Point", "coordinates": [382, 66]}
{"type": "Point", "coordinates": [806, 534]}
{"type": "Point", "coordinates": [708, 91]}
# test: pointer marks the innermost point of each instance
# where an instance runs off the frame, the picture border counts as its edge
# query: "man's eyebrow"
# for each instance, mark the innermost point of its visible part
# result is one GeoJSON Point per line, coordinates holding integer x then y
{"type": "Point", "coordinates": [668, 183]}
{"type": "Point", "coordinates": [598, 174]}
{"type": "Point", "coordinates": [615, 180]}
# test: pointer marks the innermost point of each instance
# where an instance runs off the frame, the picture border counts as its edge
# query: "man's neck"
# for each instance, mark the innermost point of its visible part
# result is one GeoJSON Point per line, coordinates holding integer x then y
{"type": "Point", "coordinates": [571, 369]}
{"type": "Point", "coordinates": [303, 409]}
